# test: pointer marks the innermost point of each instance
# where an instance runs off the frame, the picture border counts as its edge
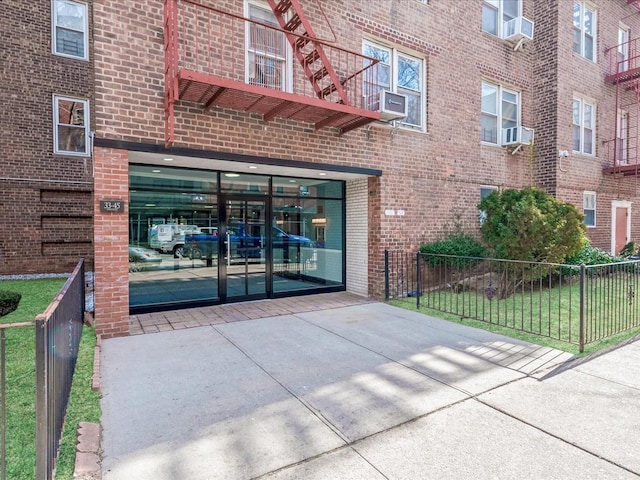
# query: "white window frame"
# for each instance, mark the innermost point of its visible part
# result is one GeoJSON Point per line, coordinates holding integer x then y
{"type": "Point", "coordinates": [286, 81]}
{"type": "Point", "coordinates": [485, 190]}
{"type": "Point", "coordinates": [394, 86]}
{"type": "Point", "coordinates": [622, 138]}
{"type": "Point", "coordinates": [502, 16]}
{"type": "Point", "coordinates": [589, 203]}
{"type": "Point", "coordinates": [55, 27]}
{"type": "Point", "coordinates": [501, 121]}
{"type": "Point", "coordinates": [581, 8]}
{"type": "Point", "coordinates": [57, 148]}
{"type": "Point", "coordinates": [623, 48]}
{"type": "Point", "coordinates": [584, 112]}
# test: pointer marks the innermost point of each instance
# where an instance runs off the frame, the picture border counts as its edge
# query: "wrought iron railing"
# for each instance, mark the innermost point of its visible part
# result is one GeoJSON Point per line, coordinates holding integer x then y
{"type": "Point", "coordinates": [576, 304]}
{"type": "Point", "coordinates": [58, 332]}
{"type": "Point", "coordinates": [211, 41]}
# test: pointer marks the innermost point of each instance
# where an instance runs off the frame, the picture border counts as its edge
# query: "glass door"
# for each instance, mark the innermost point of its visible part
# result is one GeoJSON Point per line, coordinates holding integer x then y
{"type": "Point", "coordinates": [243, 265]}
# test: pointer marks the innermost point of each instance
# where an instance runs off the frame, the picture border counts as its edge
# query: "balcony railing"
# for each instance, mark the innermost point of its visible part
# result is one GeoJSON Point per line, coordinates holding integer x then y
{"type": "Point", "coordinates": [623, 62]}
{"type": "Point", "coordinates": [218, 58]}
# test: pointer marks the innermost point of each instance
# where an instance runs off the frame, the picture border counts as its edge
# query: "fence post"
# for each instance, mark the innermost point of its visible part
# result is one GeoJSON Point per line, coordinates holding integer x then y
{"type": "Point", "coordinates": [386, 275]}
{"type": "Point", "coordinates": [42, 409]}
{"type": "Point", "coordinates": [418, 281]}
{"type": "Point", "coordinates": [583, 269]}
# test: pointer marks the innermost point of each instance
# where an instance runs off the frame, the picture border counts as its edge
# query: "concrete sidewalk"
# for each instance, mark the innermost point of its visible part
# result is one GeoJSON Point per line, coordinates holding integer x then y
{"type": "Point", "coordinates": [363, 392]}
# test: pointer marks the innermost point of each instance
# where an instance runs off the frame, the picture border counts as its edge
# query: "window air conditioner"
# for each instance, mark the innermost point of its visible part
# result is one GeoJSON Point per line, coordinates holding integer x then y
{"type": "Point", "coordinates": [392, 106]}
{"type": "Point", "coordinates": [518, 29]}
{"type": "Point", "coordinates": [517, 136]}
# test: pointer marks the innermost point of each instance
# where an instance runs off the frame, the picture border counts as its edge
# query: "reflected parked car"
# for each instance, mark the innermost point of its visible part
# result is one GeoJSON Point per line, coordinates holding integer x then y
{"type": "Point", "coordinates": [243, 245]}
{"type": "Point", "coordinates": [140, 257]}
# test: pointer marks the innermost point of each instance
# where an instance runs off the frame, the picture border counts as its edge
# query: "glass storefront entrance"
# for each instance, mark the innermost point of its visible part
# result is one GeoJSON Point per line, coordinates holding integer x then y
{"type": "Point", "coordinates": [244, 265]}
{"type": "Point", "coordinates": [204, 237]}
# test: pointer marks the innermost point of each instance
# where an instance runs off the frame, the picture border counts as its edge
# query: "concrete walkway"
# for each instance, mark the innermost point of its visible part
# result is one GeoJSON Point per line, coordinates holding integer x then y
{"type": "Point", "coordinates": [365, 391]}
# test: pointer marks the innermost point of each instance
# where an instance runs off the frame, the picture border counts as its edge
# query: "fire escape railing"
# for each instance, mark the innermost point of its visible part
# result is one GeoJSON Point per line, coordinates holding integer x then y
{"type": "Point", "coordinates": [623, 70]}
{"type": "Point", "coordinates": [226, 49]}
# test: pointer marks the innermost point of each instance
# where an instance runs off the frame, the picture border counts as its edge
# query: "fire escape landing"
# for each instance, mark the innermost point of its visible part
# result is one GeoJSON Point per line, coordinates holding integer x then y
{"type": "Point", "coordinates": [624, 73]}
{"type": "Point", "coordinates": [219, 59]}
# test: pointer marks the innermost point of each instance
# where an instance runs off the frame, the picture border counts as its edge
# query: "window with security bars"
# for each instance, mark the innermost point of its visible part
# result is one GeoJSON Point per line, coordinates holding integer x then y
{"type": "Point", "coordinates": [70, 29]}
{"type": "Point", "coordinates": [267, 49]}
{"type": "Point", "coordinates": [500, 109]}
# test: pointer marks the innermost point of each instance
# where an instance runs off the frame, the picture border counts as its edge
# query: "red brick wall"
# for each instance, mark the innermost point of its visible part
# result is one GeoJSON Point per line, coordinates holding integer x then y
{"type": "Point", "coordinates": [130, 93]}
{"type": "Point", "coordinates": [434, 176]}
{"type": "Point", "coordinates": [111, 293]}
{"type": "Point", "coordinates": [45, 199]}
{"type": "Point", "coordinates": [578, 76]}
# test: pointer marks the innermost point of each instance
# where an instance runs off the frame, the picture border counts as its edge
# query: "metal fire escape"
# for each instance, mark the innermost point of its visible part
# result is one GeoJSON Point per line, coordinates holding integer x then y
{"type": "Point", "coordinates": [624, 73]}
{"type": "Point", "coordinates": [220, 59]}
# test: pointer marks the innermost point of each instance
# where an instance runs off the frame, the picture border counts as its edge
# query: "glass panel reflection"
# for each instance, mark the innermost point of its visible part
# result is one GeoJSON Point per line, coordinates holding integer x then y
{"type": "Point", "coordinates": [172, 214]}
{"type": "Point", "coordinates": [192, 242]}
{"type": "Point", "coordinates": [244, 248]}
{"type": "Point", "coordinates": [307, 243]}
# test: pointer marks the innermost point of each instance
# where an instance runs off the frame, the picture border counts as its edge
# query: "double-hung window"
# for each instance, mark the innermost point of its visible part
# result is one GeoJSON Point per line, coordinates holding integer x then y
{"type": "Point", "coordinates": [584, 123]}
{"type": "Point", "coordinates": [396, 72]}
{"type": "Point", "coordinates": [589, 209]}
{"type": "Point", "coordinates": [584, 30]}
{"type": "Point", "coordinates": [268, 62]}
{"type": "Point", "coordinates": [622, 138]}
{"type": "Point", "coordinates": [495, 13]}
{"type": "Point", "coordinates": [500, 109]}
{"type": "Point", "coordinates": [70, 29]}
{"type": "Point", "coordinates": [623, 48]}
{"type": "Point", "coordinates": [71, 126]}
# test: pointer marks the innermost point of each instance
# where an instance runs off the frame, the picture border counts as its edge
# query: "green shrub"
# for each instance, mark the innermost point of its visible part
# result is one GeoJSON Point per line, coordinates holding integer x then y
{"type": "Point", "coordinates": [531, 225]}
{"type": "Point", "coordinates": [629, 250]}
{"type": "Point", "coordinates": [459, 245]}
{"type": "Point", "coordinates": [8, 301]}
{"type": "Point", "coordinates": [590, 255]}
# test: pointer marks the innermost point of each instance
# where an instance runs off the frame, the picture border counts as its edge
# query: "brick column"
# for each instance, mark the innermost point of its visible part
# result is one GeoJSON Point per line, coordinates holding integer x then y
{"type": "Point", "coordinates": [376, 244]}
{"type": "Point", "coordinates": [111, 239]}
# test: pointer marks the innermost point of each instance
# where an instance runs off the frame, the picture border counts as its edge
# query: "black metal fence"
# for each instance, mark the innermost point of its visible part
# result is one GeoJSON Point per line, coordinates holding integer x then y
{"type": "Point", "coordinates": [577, 304]}
{"type": "Point", "coordinates": [58, 332]}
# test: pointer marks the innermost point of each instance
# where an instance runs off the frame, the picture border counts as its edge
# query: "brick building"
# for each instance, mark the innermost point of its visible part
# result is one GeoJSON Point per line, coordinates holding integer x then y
{"type": "Point", "coordinates": [46, 180]}
{"type": "Point", "coordinates": [263, 164]}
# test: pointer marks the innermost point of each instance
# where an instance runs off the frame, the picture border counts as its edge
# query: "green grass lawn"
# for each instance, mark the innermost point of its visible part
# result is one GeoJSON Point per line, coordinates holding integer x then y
{"type": "Point", "coordinates": [544, 316]}
{"type": "Point", "coordinates": [20, 368]}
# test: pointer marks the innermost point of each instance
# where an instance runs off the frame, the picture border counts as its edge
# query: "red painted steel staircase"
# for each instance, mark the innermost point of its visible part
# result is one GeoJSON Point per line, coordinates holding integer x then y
{"type": "Point", "coordinates": [307, 49]}
{"type": "Point", "coordinates": [219, 59]}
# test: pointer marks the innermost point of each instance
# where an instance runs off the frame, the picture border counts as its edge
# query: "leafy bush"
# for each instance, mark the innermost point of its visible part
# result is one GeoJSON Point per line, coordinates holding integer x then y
{"type": "Point", "coordinates": [629, 250]}
{"type": "Point", "coordinates": [8, 301]}
{"type": "Point", "coordinates": [590, 255]}
{"type": "Point", "coordinates": [531, 225]}
{"type": "Point", "coordinates": [458, 245]}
